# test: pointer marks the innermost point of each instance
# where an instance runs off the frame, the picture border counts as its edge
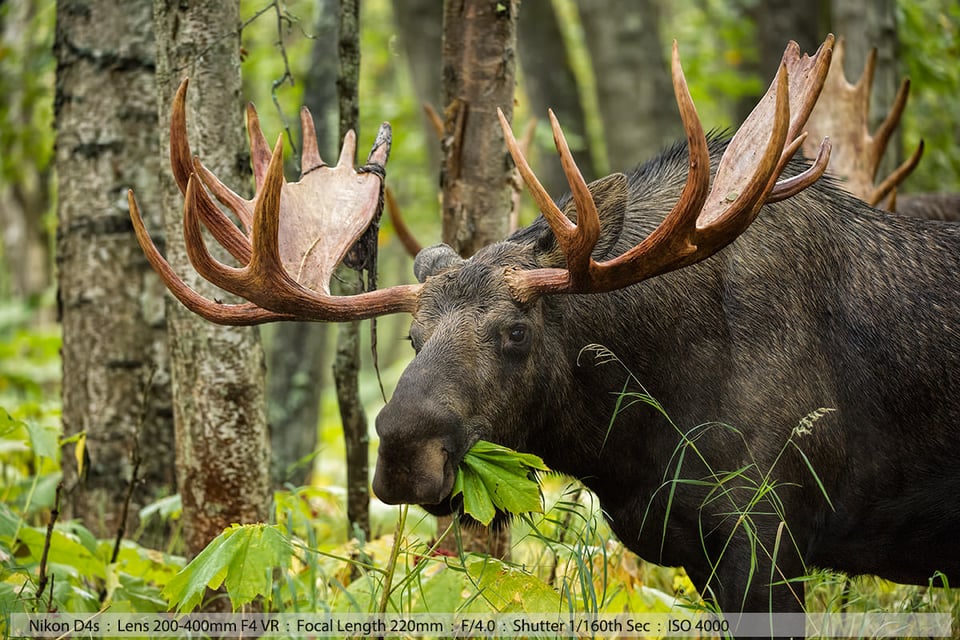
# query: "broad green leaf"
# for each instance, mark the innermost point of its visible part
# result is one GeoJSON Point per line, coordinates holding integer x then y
{"type": "Point", "coordinates": [65, 549]}
{"type": "Point", "coordinates": [494, 477]}
{"type": "Point", "coordinates": [8, 424]}
{"type": "Point", "coordinates": [476, 499]}
{"type": "Point", "coordinates": [242, 557]}
{"type": "Point", "coordinates": [45, 438]}
{"type": "Point", "coordinates": [509, 589]}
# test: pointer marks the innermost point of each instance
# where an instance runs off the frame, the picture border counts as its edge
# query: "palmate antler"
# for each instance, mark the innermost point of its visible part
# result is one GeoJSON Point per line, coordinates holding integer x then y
{"type": "Point", "coordinates": [843, 114]}
{"type": "Point", "coordinates": [704, 219]}
{"type": "Point", "coordinates": [294, 234]}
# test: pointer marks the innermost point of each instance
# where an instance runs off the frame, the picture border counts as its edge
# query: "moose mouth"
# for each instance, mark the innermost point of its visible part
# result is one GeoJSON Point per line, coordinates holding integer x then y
{"type": "Point", "coordinates": [423, 475]}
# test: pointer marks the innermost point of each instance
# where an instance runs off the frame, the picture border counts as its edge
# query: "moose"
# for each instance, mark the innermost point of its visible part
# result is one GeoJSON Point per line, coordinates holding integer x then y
{"type": "Point", "coordinates": [754, 371]}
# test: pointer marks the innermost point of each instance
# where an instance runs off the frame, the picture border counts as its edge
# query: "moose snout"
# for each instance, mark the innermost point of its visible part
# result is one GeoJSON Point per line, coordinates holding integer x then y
{"type": "Point", "coordinates": [418, 454]}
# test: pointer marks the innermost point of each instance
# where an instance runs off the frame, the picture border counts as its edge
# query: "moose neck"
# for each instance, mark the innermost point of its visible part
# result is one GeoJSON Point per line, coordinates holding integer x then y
{"type": "Point", "coordinates": [657, 341]}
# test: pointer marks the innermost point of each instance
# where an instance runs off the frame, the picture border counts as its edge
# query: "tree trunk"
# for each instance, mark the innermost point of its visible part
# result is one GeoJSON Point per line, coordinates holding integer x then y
{"type": "Point", "coordinates": [295, 372]}
{"type": "Point", "coordinates": [218, 372]}
{"type": "Point", "coordinates": [420, 33]}
{"type": "Point", "coordinates": [346, 365]}
{"type": "Point", "coordinates": [479, 71]}
{"type": "Point", "coordinates": [297, 358]}
{"type": "Point", "coordinates": [777, 22]}
{"type": "Point", "coordinates": [115, 370]}
{"type": "Point", "coordinates": [634, 89]}
{"type": "Point", "coordinates": [549, 83]}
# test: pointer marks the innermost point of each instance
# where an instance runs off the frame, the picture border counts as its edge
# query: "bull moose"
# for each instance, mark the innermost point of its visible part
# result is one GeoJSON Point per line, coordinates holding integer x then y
{"type": "Point", "coordinates": [740, 299]}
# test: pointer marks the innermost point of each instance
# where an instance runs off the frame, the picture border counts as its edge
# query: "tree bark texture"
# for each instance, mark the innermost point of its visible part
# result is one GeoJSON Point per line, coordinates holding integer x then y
{"type": "Point", "coordinates": [346, 281]}
{"type": "Point", "coordinates": [634, 88]}
{"type": "Point", "coordinates": [116, 383]}
{"type": "Point", "coordinates": [218, 372]}
{"type": "Point", "coordinates": [479, 71]}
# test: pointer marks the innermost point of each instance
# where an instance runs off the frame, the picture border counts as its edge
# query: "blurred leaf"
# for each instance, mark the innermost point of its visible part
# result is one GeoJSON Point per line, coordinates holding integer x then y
{"type": "Point", "coordinates": [81, 452]}
{"type": "Point", "coordinates": [45, 439]}
{"type": "Point", "coordinates": [66, 549]}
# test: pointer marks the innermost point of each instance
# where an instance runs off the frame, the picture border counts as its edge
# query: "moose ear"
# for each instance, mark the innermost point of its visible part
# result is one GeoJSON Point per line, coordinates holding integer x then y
{"type": "Point", "coordinates": [610, 196]}
{"type": "Point", "coordinates": [432, 260]}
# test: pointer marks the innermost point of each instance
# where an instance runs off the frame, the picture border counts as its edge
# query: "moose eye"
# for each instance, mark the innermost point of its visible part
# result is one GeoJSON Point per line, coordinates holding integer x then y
{"type": "Point", "coordinates": [517, 340]}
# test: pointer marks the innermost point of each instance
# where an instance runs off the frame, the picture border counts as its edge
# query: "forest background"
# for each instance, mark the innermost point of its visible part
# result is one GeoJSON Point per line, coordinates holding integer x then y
{"type": "Point", "coordinates": [85, 364]}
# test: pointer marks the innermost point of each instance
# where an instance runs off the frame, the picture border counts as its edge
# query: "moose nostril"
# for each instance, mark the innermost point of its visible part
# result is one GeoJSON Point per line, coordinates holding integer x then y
{"type": "Point", "coordinates": [414, 475]}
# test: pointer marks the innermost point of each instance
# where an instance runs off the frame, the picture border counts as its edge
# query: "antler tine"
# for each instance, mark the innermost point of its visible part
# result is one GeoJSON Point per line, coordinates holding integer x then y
{"type": "Point", "coordinates": [224, 276]}
{"type": "Point", "coordinates": [577, 245]}
{"type": "Point", "coordinates": [896, 177]}
{"type": "Point", "coordinates": [881, 136]}
{"type": "Point", "coordinates": [348, 152]}
{"type": "Point", "coordinates": [182, 166]}
{"type": "Point", "coordinates": [181, 160]}
{"type": "Point", "coordinates": [704, 219]}
{"type": "Point", "coordinates": [222, 227]}
{"type": "Point", "coordinates": [226, 314]}
{"type": "Point", "coordinates": [380, 150]}
{"type": "Point", "coordinates": [310, 154]}
{"type": "Point", "coordinates": [789, 187]}
{"type": "Point", "coordinates": [562, 227]}
{"type": "Point", "coordinates": [259, 151]}
{"type": "Point", "coordinates": [266, 263]}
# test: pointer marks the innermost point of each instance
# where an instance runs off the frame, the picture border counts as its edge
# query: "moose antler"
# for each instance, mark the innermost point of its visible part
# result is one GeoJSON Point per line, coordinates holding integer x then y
{"type": "Point", "coordinates": [294, 234]}
{"type": "Point", "coordinates": [843, 113]}
{"type": "Point", "coordinates": [703, 220]}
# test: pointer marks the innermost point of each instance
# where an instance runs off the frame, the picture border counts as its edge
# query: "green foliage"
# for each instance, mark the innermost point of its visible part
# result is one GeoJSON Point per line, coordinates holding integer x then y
{"type": "Point", "coordinates": [929, 31]}
{"type": "Point", "coordinates": [493, 477]}
{"type": "Point", "coordinates": [242, 558]}
{"type": "Point", "coordinates": [26, 84]}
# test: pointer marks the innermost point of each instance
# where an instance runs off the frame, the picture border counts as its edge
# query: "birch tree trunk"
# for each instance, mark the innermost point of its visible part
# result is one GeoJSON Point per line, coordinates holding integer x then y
{"type": "Point", "coordinates": [479, 71]}
{"type": "Point", "coordinates": [218, 372]}
{"type": "Point", "coordinates": [115, 370]}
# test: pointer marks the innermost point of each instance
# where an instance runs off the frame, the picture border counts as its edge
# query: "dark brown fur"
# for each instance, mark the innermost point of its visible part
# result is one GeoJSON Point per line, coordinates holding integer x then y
{"type": "Point", "coordinates": [822, 303]}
